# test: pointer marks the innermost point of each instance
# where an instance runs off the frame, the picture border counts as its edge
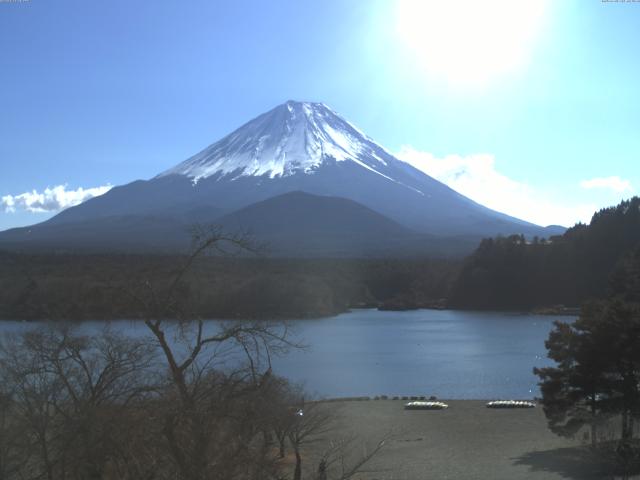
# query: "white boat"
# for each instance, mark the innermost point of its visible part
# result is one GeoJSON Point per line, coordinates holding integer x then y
{"type": "Point", "coordinates": [511, 404]}
{"type": "Point", "coordinates": [425, 406]}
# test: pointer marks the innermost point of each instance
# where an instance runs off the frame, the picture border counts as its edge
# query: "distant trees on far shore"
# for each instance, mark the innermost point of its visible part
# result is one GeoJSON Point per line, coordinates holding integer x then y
{"type": "Point", "coordinates": [520, 274]}
{"type": "Point", "coordinates": [81, 287]}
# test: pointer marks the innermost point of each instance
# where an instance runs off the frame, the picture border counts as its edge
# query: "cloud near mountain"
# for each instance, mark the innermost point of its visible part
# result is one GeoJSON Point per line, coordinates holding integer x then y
{"type": "Point", "coordinates": [476, 177]}
{"type": "Point", "coordinates": [614, 183]}
{"type": "Point", "coordinates": [51, 199]}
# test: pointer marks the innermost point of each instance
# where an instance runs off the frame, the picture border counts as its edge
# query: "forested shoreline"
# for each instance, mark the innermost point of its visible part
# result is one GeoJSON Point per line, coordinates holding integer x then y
{"type": "Point", "coordinates": [514, 273]}
{"type": "Point", "coordinates": [504, 273]}
{"type": "Point", "coordinates": [81, 287]}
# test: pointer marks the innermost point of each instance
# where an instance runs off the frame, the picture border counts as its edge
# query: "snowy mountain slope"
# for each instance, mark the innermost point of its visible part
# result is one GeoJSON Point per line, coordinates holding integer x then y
{"type": "Point", "coordinates": [293, 137]}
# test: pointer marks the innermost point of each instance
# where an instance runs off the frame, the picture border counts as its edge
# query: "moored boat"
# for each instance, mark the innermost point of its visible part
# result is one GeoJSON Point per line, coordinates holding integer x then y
{"type": "Point", "coordinates": [511, 404]}
{"type": "Point", "coordinates": [425, 406]}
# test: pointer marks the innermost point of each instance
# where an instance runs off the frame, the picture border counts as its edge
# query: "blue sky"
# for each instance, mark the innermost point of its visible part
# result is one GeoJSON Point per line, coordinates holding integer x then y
{"type": "Point", "coordinates": [103, 93]}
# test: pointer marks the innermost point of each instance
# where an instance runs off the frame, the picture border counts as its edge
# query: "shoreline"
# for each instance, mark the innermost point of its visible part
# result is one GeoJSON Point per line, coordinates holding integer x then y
{"type": "Point", "coordinates": [419, 398]}
{"type": "Point", "coordinates": [466, 441]}
{"type": "Point", "coordinates": [566, 312]}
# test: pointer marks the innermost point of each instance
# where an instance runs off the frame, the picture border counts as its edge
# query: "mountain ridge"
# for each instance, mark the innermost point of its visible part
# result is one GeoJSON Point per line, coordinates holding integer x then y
{"type": "Point", "coordinates": [297, 146]}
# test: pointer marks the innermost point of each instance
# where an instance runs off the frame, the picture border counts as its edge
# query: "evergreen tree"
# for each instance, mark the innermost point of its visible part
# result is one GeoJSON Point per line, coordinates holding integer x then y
{"type": "Point", "coordinates": [598, 370]}
{"type": "Point", "coordinates": [510, 273]}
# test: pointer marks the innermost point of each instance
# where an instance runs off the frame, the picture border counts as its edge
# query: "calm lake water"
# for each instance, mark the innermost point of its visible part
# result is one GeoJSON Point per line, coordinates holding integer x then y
{"type": "Point", "coordinates": [446, 353]}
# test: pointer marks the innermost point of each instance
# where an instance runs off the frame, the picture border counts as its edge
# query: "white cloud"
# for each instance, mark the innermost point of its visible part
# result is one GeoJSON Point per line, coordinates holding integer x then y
{"type": "Point", "coordinates": [616, 184]}
{"type": "Point", "coordinates": [51, 199]}
{"type": "Point", "coordinates": [476, 177]}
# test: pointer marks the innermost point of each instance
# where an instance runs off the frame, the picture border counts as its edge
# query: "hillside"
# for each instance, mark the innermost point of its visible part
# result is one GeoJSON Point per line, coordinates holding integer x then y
{"type": "Point", "coordinates": [513, 273]}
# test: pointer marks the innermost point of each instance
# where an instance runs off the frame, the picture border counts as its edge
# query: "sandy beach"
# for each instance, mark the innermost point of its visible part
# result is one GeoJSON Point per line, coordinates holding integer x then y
{"type": "Point", "coordinates": [466, 441]}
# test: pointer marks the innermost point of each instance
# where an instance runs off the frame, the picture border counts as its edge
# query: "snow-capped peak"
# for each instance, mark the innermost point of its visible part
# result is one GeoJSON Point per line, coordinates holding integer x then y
{"type": "Point", "coordinates": [293, 137]}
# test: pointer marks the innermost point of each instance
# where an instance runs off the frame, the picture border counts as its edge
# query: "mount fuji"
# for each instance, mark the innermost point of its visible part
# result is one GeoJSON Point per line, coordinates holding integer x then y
{"type": "Point", "coordinates": [300, 177]}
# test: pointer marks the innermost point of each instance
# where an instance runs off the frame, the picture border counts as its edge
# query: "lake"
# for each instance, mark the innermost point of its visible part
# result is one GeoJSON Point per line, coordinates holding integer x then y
{"type": "Point", "coordinates": [446, 353]}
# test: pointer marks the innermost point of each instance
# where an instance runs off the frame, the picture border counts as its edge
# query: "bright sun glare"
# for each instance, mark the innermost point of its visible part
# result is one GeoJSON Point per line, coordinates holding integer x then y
{"type": "Point", "coordinates": [469, 42]}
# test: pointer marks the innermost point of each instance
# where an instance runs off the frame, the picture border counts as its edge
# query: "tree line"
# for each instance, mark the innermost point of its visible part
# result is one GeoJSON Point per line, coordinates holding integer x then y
{"type": "Point", "coordinates": [79, 287]}
{"type": "Point", "coordinates": [518, 273]}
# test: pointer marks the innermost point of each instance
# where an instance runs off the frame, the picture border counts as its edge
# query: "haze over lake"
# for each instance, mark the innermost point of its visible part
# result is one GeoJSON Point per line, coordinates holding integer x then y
{"type": "Point", "coordinates": [450, 354]}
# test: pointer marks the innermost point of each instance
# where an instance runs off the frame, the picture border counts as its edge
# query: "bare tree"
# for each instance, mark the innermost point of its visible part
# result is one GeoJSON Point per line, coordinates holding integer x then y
{"type": "Point", "coordinates": [70, 395]}
{"type": "Point", "coordinates": [310, 421]}
{"type": "Point", "coordinates": [216, 371]}
{"type": "Point", "coordinates": [283, 411]}
{"type": "Point", "coordinates": [341, 462]}
{"type": "Point", "coordinates": [310, 424]}
{"type": "Point", "coordinates": [12, 459]}
{"type": "Point", "coordinates": [74, 407]}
